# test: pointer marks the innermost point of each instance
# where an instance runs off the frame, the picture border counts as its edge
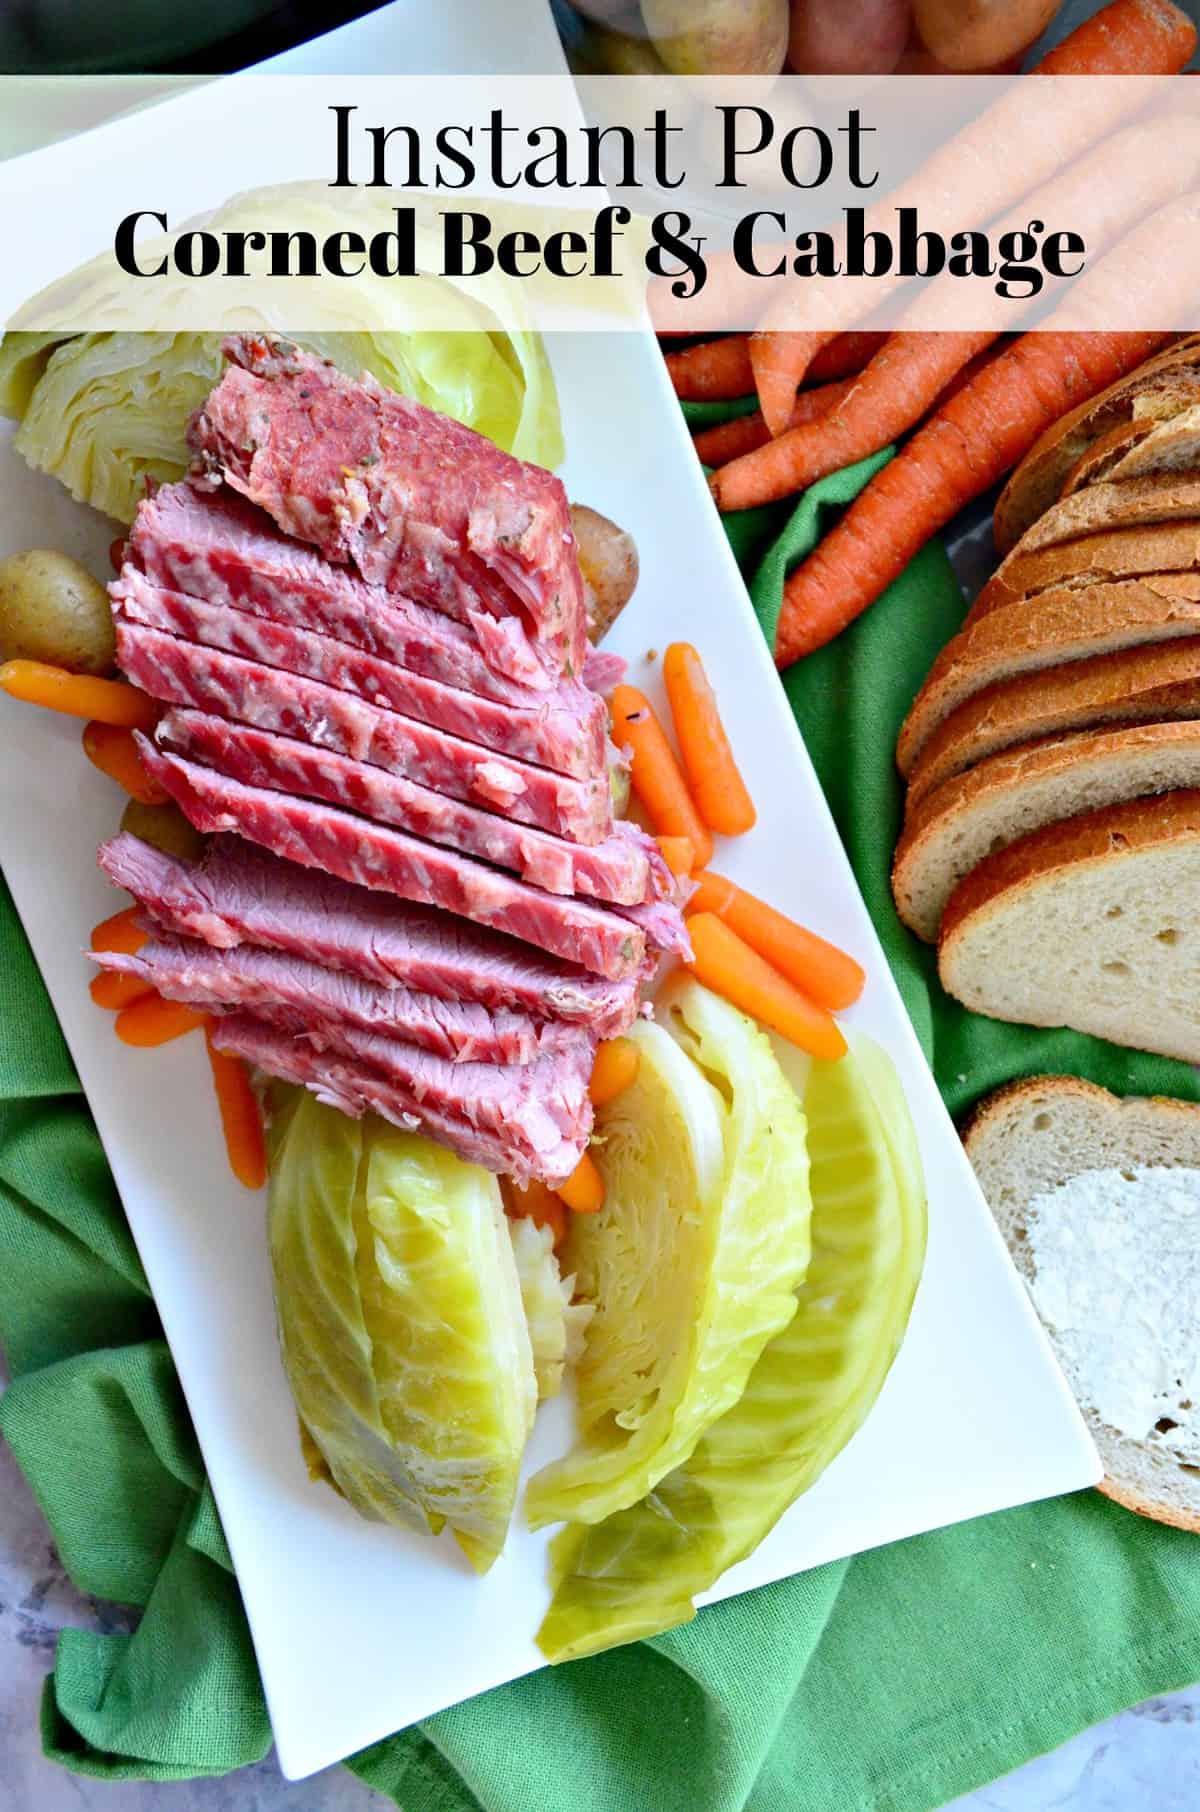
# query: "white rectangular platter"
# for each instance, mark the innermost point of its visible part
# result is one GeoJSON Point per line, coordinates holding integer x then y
{"type": "Point", "coordinates": [360, 1629]}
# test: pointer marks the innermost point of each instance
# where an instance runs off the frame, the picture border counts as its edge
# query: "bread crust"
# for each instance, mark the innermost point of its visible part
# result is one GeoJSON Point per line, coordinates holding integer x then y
{"type": "Point", "coordinates": [1147, 685]}
{"type": "Point", "coordinates": [1096, 559]}
{"type": "Point", "coordinates": [1001, 1113]}
{"type": "Point", "coordinates": [1057, 626]}
{"type": "Point", "coordinates": [1008, 772]}
{"type": "Point", "coordinates": [1038, 480]}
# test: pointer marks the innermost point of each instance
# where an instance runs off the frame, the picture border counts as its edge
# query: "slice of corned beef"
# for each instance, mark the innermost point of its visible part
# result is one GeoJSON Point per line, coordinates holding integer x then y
{"type": "Point", "coordinates": [603, 671]}
{"type": "Point", "coordinates": [569, 738]}
{"type": "Point", "coordinates": [215, 546]}
{"type": "Point", "coordinates": [414, 500]}
{"type": "Point", "coordinates": [618, 870]}
{"type": "Point", "coordinates": [241, 895]}
{"type": "Point", "coordinates": [372, 855]}
{"type": "Point", "coordinates": [182, 673]}
{"type": "Point", "coordinates": [354, 1088]}
{"type": "Point", "coordinates": [184, 968]}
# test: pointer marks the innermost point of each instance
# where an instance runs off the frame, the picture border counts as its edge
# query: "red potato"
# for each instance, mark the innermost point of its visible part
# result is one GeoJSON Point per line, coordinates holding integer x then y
{"type": "Point", "coordinates": [976, 35]}
{"type": "Point", "coordinates": [833, 37]}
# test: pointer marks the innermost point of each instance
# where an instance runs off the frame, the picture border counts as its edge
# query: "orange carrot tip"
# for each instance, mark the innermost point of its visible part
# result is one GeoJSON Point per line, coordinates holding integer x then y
{"type": "Point", "coordinates": [533, 1201]}
{"type": "Point", "coordinates": [78, 694]}
{"type": "Point", "coordinates": [615, 1067]}
{"type": "Point", "coordinates": [678, 854]}
{"type": "Point", "coordinates": [112, 749]}
{"type": "Point", "coordinates": [121, 933]}
{"type": "Point", "coordinates": [116, 992]}
{"type": "Point", "coordinates": [583, 1191]}
{"type": "Point", "coordinates": [819, 969]}
{"type": "Point", "coordinates": [732, 969]}
{"type": "Point", "coordinates": [241, 1116]}
{"type": "Point", "coordinates": [713, 777]}
{"type": "Point", "coordinates": [655, 775]}
{"type": "Point", "coordinates": [154, 1021]}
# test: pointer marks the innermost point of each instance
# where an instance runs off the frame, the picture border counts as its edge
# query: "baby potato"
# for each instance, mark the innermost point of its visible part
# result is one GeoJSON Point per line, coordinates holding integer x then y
{"type": "Point", "coordinates": [52, 609]}
{"type": "Point", "coordinates": [165, 827]}
{"type": "Point", "coordinates": [978, 34]}
{"type": "Point", "coordinates": [608, 560]}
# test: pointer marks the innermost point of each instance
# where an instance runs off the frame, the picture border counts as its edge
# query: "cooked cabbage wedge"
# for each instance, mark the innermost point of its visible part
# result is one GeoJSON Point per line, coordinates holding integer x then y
{"type": "Point", "coordinates": [693, 1261]}
{"type": "Point", "coordinates": [637, 1574]}
{"type": "Point", "coordinates": [401, 1322]}
{"type": "Point", "coordinates": [104, 412]}
{"type": "Point", "coordinates": [556, 1324]}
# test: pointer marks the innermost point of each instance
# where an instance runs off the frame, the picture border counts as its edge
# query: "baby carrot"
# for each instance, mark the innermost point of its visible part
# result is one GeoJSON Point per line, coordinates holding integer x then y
{"type": "Point", "coordinates": [121, 932]}
{"type": "Point", "coordinates": [730, 968]}
{"type": "Point", "coordinates": [655, 774]}
{"type": "Point", "coordinates": [117, 992]}
{"type": "Point", "coordinates": [155, 1021]}
{"type": "Point", "coordinates": [583, 1191]}
{"type": "Point", "coordinates": [678, 854]}
{"type": "Point", "coordinates": [615, 1067]}
{"type": "Point", "coordinates": [78, 694]}
{"type": "Point", "coordinates": [817, 968]}
{"type": "Point", "coordinates": [712, 773]}
{"type": "Point", "coordinates": [241, 1117]}
{"type": "Point", "coordinates": [111, 748]}
{"type": "Point", "coordinates": [534, 1201]}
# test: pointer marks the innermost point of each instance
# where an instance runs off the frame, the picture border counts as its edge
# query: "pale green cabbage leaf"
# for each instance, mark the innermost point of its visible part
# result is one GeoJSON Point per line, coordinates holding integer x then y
{"type": "Point", "coordinates": [401, 1322]}
{"type": "Point", "coordinates": [814, 1385]}
{"type": "Point", "coordinates": [105, 412]}
{"type": "Point", "coordinates": [557, 1325]}
{"type": "Point", "coordinates": [694, 1260]}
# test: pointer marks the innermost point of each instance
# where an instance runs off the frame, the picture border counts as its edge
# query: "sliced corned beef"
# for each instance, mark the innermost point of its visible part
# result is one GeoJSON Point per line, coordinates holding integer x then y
{"type": "Point", "coordinates": [662, 922]}
{"type": "Point", "coordinates": [184, 968]}
{"type": "Point", "coordinates": [371, 855]}
{"type": "Point", "coordinates": [414, 500]}
{"type": "Point", "coordinates": [569, 738]}
{"type": "Point", "coordinates": [621, 869]}
{"type": "Point", "coordinates": [215, 546]}
{"type": "Point", "coordinates": [240, 895]}
{"type": "Point", "coordinates": [354, 1088]}
{"type": "Point", "coordinates": [184, 673]}
{"type": "Point", "coordinates": [603, 671]}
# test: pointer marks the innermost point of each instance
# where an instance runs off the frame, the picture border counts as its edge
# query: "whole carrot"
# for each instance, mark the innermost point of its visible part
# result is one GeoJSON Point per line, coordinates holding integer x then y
{"type": "Point", "coordinates": [533, 1201]}
{"type": "Point", "coordinates": [153, 1021]}
{"type": "Point", "coordinates": [732, 969]}
{"type": "Point", "coordinates": [1128, 37]}
{"type": "Point", "coordinates": [982, 431]}
{"type": "Point", "coordinates": [116, 992]}
{"type": "Point", "coordinates": [655, 775]}
{"type": "Point", "coordinates": [678, 854]}
{"type": "Point", "coordinates": [900, 384]}
{"type": "Point", "coordinates": [719, 370]}
{"type": "Point", "coordinates": [241, 1116]}
{"type": "Point", "coordinates": [121, 932]}
{"type": "Point", "coordinates": [727, 441]}
{"type": "Point", "coordinates": [614, 1068]}
{"type": "Point", "coordinates": [78, 694]}
{"type": "Point", "coordinates": [819, 969]}
{"type": "Point", "coordinates": [713, 777]}
{"type": "Point", "coordinates": [111, 748]}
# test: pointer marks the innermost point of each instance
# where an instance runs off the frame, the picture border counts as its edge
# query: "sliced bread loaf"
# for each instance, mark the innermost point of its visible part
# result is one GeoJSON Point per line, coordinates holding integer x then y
{"type": "Point", "coordinates": [1161, 387]}
{"type": "Point", "coordinates": [1160, 683]}
{"type": "Point", "coordinates": [1111, 504]}
{"type": "Point", "coordinates": [1119, 553]}
{"type": "Point", "coordinates": [1018, 791]}
{"type": "Point", "coordinates": [1081, 1187]}
{"type": "Point", "coordinates": [1047, 631]}
{"type": "Point", "coordinates": [1144, 447]}
{"type": "Point", "coordinates": [1093, 923]}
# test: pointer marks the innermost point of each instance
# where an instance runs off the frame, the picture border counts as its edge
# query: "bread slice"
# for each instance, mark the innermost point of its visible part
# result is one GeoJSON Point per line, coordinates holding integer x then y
{"type": "Point", "coordinates": [1113, 504]}
{"type": "Point", "coordinates": [1158, 684]}
{"type": "Point", "coordinates": [1025, 1142]}
{"type": "Point", "coordinates": [1097, 460]}
{"type": "Point", "coordinates": [1048, 631]}
{"type": "Point", "coordinates": [1149, 446]}
{"type": "Point", "coordinates": [1161, 387]}
{"type": "Point", "coordinates": [1093, 923]}
{"type": "Point", "coordinates": [1018, 791]}
{"type": "Point", "coordinates": [1119, 553]}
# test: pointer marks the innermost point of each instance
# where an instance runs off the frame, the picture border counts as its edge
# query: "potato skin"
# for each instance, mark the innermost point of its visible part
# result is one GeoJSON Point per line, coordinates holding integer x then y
{"type": "Point", "coordinates": [53, 610]}
{"type": "Point", "coordinates": [608, 560]}
{"type": "Point", "coordinates": [165, 827]}
{"type": "Point", "coordinates": [973, 35]}
{"type": "Point", "coordinates": [835, 37]}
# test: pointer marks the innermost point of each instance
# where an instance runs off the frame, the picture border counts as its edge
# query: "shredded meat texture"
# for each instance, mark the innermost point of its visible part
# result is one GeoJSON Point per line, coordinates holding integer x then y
{"type": "Point", "coordinates": [413, 500]}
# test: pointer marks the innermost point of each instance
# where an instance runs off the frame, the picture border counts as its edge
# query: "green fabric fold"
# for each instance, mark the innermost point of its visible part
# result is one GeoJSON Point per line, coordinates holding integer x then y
{"type": "Point", "coordinates": [888, 1683]}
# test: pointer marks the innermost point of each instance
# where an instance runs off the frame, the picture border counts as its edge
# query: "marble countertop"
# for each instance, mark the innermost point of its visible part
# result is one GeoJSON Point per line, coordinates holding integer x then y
{"type": "Point", "coordinates": [1145, 1760]}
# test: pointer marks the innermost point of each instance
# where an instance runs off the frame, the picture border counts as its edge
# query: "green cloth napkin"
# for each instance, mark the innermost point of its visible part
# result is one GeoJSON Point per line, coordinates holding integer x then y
{"type": "Point", "coordinates": [888, 1683]}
